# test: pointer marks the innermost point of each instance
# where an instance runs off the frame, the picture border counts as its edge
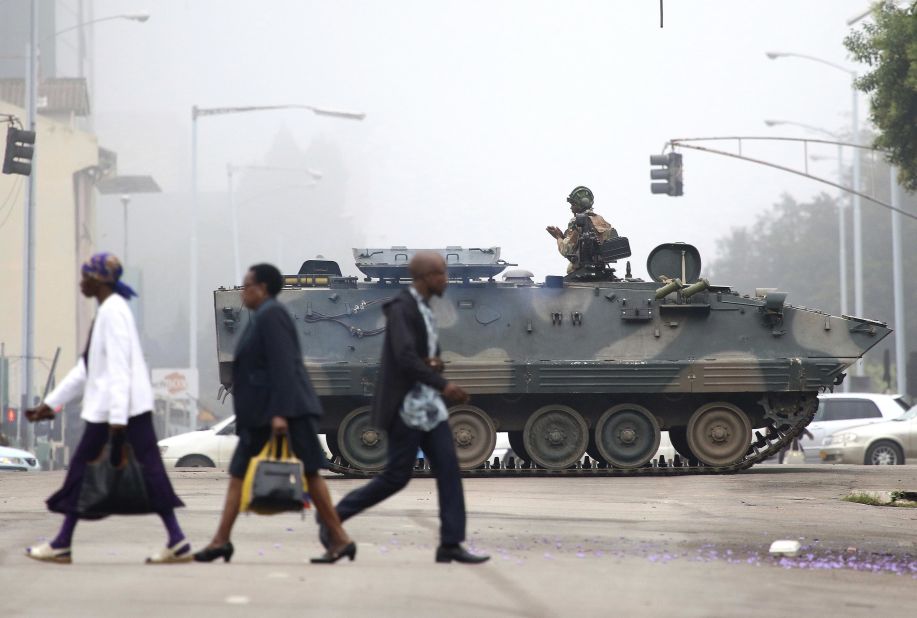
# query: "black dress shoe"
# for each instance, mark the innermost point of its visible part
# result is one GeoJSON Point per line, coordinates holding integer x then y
{"type": "Point", "coordinates": [330, 557]}
{"type": "Point", "coordinates": [209, 554]}
{"type": "Point", "coordinates": [457, 553]}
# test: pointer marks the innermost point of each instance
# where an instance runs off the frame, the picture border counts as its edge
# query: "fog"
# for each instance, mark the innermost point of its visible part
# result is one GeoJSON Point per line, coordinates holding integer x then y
{"type": "Point", "coordinates": [480, 119]}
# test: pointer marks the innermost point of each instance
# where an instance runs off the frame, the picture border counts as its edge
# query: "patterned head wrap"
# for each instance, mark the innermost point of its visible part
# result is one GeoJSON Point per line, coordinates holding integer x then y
{"type": "Point", "coordinates": [105, 267]}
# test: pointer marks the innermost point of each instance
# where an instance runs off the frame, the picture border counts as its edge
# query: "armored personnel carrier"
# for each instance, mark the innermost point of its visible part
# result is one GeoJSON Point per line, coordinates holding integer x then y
{"type": "Point", "coordinates": [587, 363]}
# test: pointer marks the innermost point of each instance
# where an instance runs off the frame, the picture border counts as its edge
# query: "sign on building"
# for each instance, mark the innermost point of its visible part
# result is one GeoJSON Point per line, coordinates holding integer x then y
{"type": "Point", "coordinates": [175, 394]}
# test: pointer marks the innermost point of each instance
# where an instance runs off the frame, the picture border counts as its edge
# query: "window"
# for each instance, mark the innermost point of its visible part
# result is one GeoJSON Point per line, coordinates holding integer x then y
{"type": "Point", "coordinates": [848, 409]}
{"type": "Point", "coordinates": [228, 430]}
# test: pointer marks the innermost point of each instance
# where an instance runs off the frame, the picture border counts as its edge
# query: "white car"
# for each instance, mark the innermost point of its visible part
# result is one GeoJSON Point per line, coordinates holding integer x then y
{"type": "Point", "coordinates": [18, 460]}
{"type": "Point", "coordinates": [207, 448]}
{"type": "Point", "coordinates": [887, 443]}
{"type": "Point", "coordinates": [837, 411]}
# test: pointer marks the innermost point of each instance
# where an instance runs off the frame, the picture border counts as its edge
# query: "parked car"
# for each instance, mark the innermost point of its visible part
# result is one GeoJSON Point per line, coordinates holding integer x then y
{"type": "Point", "coordinates": [206, 448]}
{"type": "Point", "coordinates": [18, 460]}
{"type": "Point", "coordinates": [878, 444]}
{"type": "Point", "coordinates": [838, 411]}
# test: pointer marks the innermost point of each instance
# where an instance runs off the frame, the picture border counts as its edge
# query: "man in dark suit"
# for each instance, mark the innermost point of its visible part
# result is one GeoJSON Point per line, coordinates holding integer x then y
{"type": "Point", "coordinates": [408, 406]}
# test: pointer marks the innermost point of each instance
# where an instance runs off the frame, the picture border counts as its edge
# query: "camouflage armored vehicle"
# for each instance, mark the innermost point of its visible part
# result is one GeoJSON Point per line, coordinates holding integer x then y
{"type": "Point", "coordinates": [588, 363]}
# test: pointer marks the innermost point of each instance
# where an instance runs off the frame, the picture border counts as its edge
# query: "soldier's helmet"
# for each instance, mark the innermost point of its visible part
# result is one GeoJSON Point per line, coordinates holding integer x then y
{"type": "Point", "coordinates": [581, 199]}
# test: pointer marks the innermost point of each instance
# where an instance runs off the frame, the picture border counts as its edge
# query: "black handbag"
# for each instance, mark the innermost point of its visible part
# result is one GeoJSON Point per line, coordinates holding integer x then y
{"type": "Point", "coordinates": [276, 481]}
{"type": "Point", "coordinates": [113, 489]}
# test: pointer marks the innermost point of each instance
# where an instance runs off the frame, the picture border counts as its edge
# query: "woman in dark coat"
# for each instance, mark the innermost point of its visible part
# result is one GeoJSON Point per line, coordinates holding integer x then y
{"type": "Point", "coordinates": [272, 395]}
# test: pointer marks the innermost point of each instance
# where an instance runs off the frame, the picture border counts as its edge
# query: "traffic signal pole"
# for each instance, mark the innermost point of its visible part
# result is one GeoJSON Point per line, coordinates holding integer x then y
{"type": "Point", "coordinates": [28, 266]}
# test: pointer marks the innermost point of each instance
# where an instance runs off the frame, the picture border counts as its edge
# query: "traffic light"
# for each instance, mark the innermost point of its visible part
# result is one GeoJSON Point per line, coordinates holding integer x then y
{"type": "Point", "coordinates": [20, 148]}
{"type": "Point", "coordinates": [9, 424]}
{"type": "Point", "coordinates": [670, 173]}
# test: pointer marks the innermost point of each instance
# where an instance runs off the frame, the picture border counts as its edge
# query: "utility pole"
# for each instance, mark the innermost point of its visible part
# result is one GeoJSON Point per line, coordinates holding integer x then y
{"type": "Point", "coordinates": [28, 266]}
{"type": "Point", "coordinates": [858, 367]}
{"type": "Point", "coordinates": [897, 278]}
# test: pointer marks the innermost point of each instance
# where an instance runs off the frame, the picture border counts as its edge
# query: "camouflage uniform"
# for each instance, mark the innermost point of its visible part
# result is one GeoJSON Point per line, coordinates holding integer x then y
{"type": "Point", "coordinates": [566, 245]}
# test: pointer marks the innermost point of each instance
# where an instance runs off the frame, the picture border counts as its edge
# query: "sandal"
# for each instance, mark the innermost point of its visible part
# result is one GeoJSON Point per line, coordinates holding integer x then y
{"type": "Point", "coordinates": [180, 552]}
{"type": "Point", "coordinates": [46, 553]}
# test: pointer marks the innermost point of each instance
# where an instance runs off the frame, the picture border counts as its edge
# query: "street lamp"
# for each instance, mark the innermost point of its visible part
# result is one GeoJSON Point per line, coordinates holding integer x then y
{"type": "Point", "coordinates": [138, 17]}
{"type": "Point", "coordinates": [197, 112]}
{"type": "Point", "coordinates": [234, 213]}
{"type": "Point", "coordinates": [841, 219]}
{"type": "Point", "coordinates": [28, 267]}
{"type": "Point", "coordinates": [857, 213]}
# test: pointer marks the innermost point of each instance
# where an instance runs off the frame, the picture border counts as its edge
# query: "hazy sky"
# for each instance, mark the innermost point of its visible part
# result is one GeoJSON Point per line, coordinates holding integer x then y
{"type": "Point", "coordinates": [481, 116]}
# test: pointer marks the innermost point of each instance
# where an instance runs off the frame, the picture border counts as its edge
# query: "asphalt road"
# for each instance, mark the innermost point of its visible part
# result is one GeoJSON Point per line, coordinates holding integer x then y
{"type": "Point", "coordinates": [690, 546]}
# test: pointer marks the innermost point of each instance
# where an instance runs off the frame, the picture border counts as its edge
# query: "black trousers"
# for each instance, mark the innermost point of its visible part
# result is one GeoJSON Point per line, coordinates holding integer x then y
{"type": "Point", "coordinates": [439, 448]}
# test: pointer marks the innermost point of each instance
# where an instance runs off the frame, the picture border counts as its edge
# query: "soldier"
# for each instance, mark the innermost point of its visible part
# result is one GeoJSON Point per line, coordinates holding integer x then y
{"type": "Point", "coordinates": [580, 200]}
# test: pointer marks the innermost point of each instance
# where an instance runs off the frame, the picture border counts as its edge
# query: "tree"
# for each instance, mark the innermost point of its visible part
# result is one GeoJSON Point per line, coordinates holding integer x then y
{"type": "Point", "coordinates": [889, 46]}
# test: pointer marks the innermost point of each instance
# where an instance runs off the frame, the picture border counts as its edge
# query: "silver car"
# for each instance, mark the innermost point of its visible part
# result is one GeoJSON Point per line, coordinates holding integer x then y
{"type": "Point", "coordinates": [18, 460]}
{"type": "Point", "coordinates": [879, 444]}
{"type": "Point", "coordinates": [839, 411]}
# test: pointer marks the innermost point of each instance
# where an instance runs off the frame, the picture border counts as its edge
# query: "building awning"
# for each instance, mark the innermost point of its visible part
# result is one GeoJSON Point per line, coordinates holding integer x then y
{"type": "Point", "coordinates": [128, 184]}
{"type": "Point", "coordinates": [61, 95]}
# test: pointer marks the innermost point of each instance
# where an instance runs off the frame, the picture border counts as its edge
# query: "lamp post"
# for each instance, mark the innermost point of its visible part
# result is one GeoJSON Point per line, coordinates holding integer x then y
{"type": "Point", "coordinates": [28, 267]}
{"type": "Point", "coordinates": [197, 112]}
{"type": "Point", "coordinates": [81, 43]}
{"type": "Point", "coordinates": [138, 17]}
{"type": "Point", "coordinates": [233, 210]}
{"type": "Point", "coordinates": [841, 219]}
{"type": "Point", "coordinates": [125, 200]}
{"type": "Point", "coordinates": [857, 210]}
{"type": "Point", "coordinates": [898, 285]}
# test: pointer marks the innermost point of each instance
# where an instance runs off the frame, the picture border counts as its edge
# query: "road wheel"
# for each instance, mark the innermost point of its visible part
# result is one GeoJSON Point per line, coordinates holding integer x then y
{"type": "Point", "coordinates": [474, 434]}
{"type": "Point", "coordinates": [360, 443]}
{"type": "Point", "coordinates": [556, 437]}
{"type": "Point", "coordinates": [884, 453]}
{"type": "Point", "coordinates": [627, 436]}
{"type": "Point", "coordinates": [195, 461]}
{"type": "Point", "coordinates": [719, 434]}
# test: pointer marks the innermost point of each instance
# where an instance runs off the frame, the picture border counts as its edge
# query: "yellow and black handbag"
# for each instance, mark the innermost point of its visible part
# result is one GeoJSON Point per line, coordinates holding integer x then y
{"type": "Point", "coordinates": [274, 481]}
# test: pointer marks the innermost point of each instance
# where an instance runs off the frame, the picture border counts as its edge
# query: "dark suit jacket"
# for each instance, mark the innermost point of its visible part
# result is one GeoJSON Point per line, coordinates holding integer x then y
{"type": "Point", "coordinates": [403, 354]}
{"type": "Point", "coordinates": [268, 375]}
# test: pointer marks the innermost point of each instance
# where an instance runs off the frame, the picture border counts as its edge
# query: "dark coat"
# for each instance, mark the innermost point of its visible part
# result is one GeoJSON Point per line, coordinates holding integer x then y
{"type": "Point", "coordinates": [403, 354]}
{"type": "Point", "coordinates": [268, 376]}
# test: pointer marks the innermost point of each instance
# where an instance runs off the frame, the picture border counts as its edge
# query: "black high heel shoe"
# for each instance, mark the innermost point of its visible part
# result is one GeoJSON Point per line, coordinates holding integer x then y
{"type": "Point", "coordinates": [209, 554]}
{"type": "Point", "coordinates": [330, 556]}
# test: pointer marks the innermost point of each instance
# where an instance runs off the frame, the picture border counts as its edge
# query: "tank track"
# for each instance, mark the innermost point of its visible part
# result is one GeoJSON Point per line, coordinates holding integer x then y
{"type": "Point", "coordinates": [764, 446]}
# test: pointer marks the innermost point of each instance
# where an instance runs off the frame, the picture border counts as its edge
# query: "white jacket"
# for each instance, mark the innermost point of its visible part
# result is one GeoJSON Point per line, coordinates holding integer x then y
{"type": "Point", "coordinates": [116, 385]}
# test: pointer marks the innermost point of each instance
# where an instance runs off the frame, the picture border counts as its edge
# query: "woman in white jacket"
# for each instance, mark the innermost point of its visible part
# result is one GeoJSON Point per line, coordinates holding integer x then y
{"type": "Point", "coordinates": [113, 379]}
